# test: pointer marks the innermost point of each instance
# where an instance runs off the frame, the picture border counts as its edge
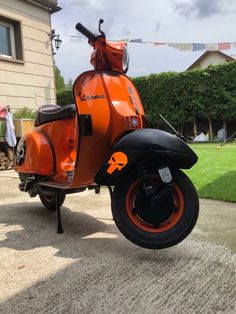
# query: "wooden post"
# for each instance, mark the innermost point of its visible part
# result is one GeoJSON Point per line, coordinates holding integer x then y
{"type": "Point", "coordinates": [194, 127]}
{"type": "Point", "coordinates": [210, 128]}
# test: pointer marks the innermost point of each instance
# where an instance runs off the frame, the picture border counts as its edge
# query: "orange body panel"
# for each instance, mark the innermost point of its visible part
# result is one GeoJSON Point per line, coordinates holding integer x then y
{"type": "Point", "coordinates": [124, 102]}
{"type": "Point", "coordinates": [56, 149]}
{"type": "Point", "coordinates": [108, 56]}
{"type": "Point", "coordinates": [38, 155]}
{"type": "Point", "coordinates": [92, 149]}
{"type": "Point", "coordinates": [60, 136]}
{"type": "Point", "coordinates": [109, 98]}
{"type": "Point", "coordinates": [63, 136]}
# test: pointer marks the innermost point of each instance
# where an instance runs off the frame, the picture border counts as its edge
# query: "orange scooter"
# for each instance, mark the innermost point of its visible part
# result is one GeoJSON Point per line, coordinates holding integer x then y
{"type": "Point", "coordinates": [102, 140]}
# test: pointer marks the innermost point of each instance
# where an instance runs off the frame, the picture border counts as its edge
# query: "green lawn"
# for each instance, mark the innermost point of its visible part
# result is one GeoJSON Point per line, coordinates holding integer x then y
{"type": "Point", "coordinates": [214, 175]}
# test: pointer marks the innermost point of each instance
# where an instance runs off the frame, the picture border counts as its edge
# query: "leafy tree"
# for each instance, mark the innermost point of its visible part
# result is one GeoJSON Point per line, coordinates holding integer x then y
{"type": "Point", "coordinates": [65, 97]}
{"type": "Point", "coordinates": [59, 80]}
{"type": "Point", "coordinates": [69, 84]}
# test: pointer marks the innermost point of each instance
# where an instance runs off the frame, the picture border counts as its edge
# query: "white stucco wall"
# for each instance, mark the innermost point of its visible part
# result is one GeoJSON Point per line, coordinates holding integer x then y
{"type": "Point", "coordinates": [31, 82]}
{"type": "Point", "coordinates": [212, 58]}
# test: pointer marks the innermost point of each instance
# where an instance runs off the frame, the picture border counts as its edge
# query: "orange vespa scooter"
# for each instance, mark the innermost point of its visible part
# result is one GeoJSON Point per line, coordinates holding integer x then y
{"type": "Point", "coordinates": [102, 140]}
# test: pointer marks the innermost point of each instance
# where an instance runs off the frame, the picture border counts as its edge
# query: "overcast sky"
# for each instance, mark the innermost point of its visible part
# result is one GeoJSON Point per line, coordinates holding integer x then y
{"type": "Point", "coordinates": [177, 21]}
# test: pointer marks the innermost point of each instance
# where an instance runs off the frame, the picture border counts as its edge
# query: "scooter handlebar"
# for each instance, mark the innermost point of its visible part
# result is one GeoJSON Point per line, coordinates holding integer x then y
{"type": "Point", "coordinates": [83, 30]}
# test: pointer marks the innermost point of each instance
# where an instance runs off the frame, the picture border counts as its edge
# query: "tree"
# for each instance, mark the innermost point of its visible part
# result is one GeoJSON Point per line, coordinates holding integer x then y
{"type": "Point", "coordinates": [59, 79]}
{"type": "Point", "coordinates": [69, 84]}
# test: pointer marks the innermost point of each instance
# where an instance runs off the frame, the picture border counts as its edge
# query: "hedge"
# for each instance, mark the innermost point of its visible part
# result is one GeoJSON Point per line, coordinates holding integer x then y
{"type": "Point", "coordinates": [185, 97]}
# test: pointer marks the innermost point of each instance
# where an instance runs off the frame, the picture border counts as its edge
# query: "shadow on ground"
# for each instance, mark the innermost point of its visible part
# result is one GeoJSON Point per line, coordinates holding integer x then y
{"type": "Point", "coordinates": [224, 188]}
{"type": "Point", "coordinates": [110, 275]}
{"type": "Point", "coordinates": [39, 228]}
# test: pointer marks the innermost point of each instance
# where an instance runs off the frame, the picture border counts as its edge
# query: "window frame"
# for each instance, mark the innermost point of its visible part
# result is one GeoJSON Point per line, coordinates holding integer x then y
{"type": "Point", "coordinates": [16, 39]}
{"type": "Point", "coordinates": [12, 47]}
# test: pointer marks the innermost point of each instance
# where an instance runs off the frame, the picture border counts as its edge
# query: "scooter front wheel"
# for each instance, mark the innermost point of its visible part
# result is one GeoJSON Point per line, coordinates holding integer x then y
{"type": "Point", "coordinates": [153, 214]}
{"type": "Point", "coordinates": [49, 201]}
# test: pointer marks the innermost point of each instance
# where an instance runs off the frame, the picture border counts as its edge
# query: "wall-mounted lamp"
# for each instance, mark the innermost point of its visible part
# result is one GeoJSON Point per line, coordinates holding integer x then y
{"type": "Point", "coordinates": [56, 40]}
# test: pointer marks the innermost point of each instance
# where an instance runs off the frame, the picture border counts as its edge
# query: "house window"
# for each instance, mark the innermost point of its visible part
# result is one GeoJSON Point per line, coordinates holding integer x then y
{"type": "Point", "coordinates": [7, 40]}
{"type": "Point", "coordinates": [10, 39]}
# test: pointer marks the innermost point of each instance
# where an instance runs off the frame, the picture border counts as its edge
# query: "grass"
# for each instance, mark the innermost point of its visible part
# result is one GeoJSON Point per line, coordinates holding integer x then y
{"type": "Point", "coordinates": [214, 175]}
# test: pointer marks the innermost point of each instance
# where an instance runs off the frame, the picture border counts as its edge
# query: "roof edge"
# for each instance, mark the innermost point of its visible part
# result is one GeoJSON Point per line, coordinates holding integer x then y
{"type": "Point", "coordinates": [227, 57]}
{"type": "Point", "coordinates": [51, 5]}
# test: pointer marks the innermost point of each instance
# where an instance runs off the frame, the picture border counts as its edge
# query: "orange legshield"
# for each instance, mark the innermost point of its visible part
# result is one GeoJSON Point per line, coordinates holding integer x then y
{"type": "Point", "coordinates": [112, 103]}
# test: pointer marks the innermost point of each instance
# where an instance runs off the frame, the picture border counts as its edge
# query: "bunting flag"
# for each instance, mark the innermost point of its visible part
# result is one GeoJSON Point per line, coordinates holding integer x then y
{"type": "Point", "coordinates": [198, 47]}
{"type": "Point", "coordinates": [211, 47]}
{"type": "Point", "coordinates": [185, 47]}
{"type": "Point", "coordinates": [157, 43]}
{"type": "Point", "coordinates": [123, 40]}
{"type": "Point", "coordinates": [173, 45]}
{"type": "Point", "coordinates": [139, 40]}
{"type": "Point", "coordinates": [224, 46]}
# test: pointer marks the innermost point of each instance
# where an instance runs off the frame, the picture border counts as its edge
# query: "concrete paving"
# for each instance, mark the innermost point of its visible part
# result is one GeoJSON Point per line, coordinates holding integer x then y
{"type": "Point", "coordinates": [91, 268]}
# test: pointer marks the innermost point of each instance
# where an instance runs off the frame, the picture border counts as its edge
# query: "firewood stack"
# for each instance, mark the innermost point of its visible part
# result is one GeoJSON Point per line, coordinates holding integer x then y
{"type": "Point", "coordinates": [6, 160]}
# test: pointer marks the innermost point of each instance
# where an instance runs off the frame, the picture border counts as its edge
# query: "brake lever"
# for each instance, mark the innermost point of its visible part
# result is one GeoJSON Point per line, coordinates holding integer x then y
{"type": "Point", "coordinates": [101, 21]}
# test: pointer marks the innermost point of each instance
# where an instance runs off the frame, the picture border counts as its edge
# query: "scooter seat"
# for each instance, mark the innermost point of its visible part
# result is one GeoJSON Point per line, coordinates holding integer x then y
{"type": "Point", "coordinates": [49, 113]}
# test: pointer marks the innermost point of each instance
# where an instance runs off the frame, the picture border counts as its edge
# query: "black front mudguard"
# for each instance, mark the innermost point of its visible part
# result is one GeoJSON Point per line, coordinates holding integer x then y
{"type": "Point", "coordinates": [150, 146]}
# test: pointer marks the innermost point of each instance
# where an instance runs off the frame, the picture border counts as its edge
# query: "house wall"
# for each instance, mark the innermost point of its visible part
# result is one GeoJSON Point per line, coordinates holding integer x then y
{"type": "Point", "coordinates": [213, 58]}
{"type": "Point", "coordinates": [30, 82]}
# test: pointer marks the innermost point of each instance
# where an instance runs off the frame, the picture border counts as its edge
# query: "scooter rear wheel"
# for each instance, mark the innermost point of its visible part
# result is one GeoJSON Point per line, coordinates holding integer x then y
{"type": "Point", "coordinates": [159, 218]}
{"type": "Point", "coordinates": [49, 201]}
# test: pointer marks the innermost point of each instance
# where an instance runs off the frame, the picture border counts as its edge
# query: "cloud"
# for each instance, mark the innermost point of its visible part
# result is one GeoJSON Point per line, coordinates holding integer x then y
{"type": "Point", "coordinates": [157, 21]}
{"type": "Point", "coordinates": [157, 27]}
{"type": "Point", "coordinates": [203, 8]}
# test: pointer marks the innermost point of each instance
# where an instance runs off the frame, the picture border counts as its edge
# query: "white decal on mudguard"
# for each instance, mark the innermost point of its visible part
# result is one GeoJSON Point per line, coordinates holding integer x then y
{"type": "Point", "coordinates": [165, 174]}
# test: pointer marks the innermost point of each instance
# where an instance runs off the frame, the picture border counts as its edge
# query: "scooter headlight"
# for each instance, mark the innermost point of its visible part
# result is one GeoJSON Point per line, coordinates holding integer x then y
{"type": "Point", "coordinates": [125, 59]}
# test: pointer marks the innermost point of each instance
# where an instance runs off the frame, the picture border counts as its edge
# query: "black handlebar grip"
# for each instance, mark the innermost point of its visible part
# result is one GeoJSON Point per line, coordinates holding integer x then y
{"type": "Point", "coordinates": [83, 30]}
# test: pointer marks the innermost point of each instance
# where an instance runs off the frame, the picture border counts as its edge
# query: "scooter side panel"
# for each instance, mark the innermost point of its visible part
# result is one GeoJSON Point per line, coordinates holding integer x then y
{"type": "Point", "coordinates": [34, 155]}
{"type": "Point", "coordinates": [49, 150]}
{"type": "Point", "coordinates": [62, 135]}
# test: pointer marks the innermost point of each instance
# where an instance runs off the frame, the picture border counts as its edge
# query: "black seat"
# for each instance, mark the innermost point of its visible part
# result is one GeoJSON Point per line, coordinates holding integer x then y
{"type": "Point", "coordinates": [49, 113]}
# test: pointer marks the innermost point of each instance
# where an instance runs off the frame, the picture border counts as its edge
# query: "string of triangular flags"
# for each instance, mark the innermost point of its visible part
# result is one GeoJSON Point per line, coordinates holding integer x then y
{"type": "Point", "coordinates": [184, 46]}
{"type": "Point", "coordinates": [179, 46]}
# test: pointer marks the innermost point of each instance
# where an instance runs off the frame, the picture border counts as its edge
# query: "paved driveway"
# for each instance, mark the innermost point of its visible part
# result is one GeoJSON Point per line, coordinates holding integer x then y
{"type": "Point", "coordinates": [91, 268]}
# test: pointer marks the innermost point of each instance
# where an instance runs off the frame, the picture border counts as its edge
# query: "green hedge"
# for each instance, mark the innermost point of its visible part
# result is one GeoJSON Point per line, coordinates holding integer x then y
{"type": "Point", "coordinates": [185, 97]}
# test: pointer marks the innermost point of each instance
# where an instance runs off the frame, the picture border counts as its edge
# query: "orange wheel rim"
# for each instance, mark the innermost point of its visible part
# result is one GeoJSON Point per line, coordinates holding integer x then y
{"type": "Point", "coordinates": [147, 226]}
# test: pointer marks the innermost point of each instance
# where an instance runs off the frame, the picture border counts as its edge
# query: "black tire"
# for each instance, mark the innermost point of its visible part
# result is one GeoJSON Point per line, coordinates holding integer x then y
{"type": "Point", "coordinates": [185, 213]}
{"type": "Point", "coordinates": [49, 201]}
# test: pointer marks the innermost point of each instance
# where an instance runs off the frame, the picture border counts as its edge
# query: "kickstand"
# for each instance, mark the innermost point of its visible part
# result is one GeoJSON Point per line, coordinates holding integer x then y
{"type": "Point", "coordinates": [58, 209]}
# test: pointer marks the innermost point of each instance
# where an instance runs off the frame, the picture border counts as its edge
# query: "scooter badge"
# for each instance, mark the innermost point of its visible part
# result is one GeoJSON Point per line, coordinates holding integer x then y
{"type": "Point", "coordinates": [117, 161]}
